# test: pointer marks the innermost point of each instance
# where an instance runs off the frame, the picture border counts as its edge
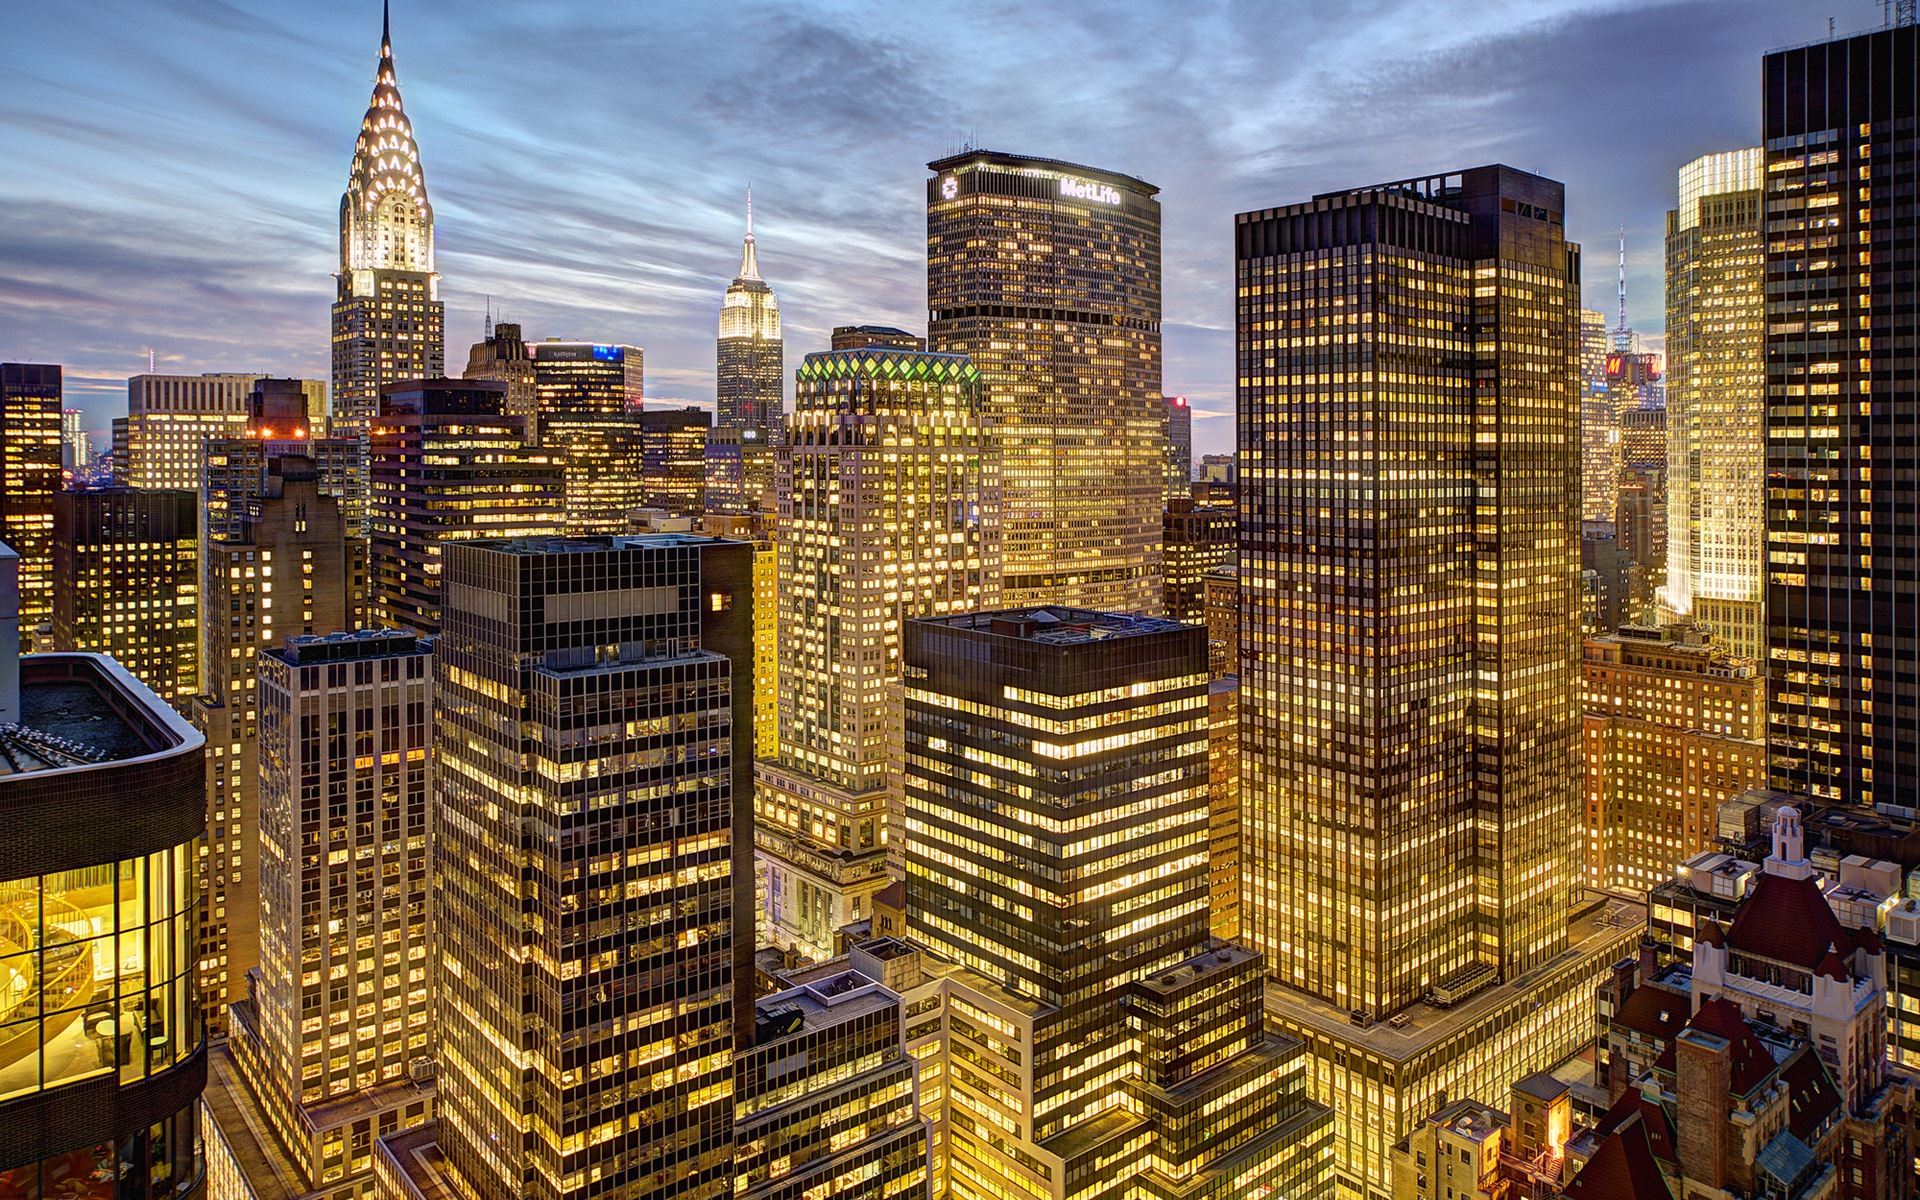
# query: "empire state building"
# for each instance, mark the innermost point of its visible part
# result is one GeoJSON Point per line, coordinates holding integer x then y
{"type": "Point", "coordinates": [387, 319]}
{"type": "Point", "coordinates": [750, 350]}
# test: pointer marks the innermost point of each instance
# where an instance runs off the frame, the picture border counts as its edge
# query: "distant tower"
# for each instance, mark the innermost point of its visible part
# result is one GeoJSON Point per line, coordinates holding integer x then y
{"type": "Point", "coordinates": [751, 356]}
{"type": "Point", "coordinates": [387, 319]}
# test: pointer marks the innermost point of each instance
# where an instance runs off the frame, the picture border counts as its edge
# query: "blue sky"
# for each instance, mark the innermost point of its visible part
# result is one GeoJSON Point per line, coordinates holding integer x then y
{"type": "Point", "coordinates": [174, 167]}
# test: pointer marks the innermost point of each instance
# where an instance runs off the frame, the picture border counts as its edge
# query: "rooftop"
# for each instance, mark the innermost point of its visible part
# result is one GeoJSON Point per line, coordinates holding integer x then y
{"type": "Point", "coordinates": [1470, 1119]}
{"type": "Point", "coordinates": [1605, 931]}
{"type": "Point", "coordinates": [303, 649]}
{"type": "Point", "coordinates": [1217, 957]}
{"type": "Point", "coordinates": [597, 544]}
{"type": "Point", "coordinates": [1058, 625]}
{"type": "Point", "coordinates": [70, 716]}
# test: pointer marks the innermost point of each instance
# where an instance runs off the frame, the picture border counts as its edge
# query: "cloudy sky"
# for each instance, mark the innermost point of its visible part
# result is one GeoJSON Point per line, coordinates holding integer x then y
{"type": "Point", "coordinates": [174, 167]}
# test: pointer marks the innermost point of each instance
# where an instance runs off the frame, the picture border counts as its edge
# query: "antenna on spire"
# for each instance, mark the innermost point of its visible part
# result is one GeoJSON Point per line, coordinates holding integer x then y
{"type": "Point", "coordinates": [489, 316]}
{"type": "Point", "coordinates": [749, 210]}
{"type": "Point", "coordinates": [386, 23]}
{"type": "Point", "coordinates": [1620, 332]}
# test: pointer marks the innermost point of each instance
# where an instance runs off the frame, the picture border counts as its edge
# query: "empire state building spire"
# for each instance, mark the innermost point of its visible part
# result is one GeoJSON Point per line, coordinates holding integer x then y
{"type": "Point", "coordinates": [387, 316]}
{"type": "Point", "coordinates": [750, 352]}
{"type": "Point", "coordinates": [749, 262]}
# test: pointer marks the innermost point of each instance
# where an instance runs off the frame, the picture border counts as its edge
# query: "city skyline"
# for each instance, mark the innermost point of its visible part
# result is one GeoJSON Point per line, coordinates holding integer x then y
{"type": "Point", "coordinates": [630, 250]}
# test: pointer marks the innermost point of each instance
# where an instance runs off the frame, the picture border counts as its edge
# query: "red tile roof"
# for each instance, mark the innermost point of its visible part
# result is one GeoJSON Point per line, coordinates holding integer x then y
{"type": "Point", "coordinates": [1654, 1012]}
{"type": "Point", "coordinates": [1812, 1098]}
{"type": "Point", "coordinates": [1624, 1168]}
{"type": "Point", "coordinates": [1787, 920]}
{"type": "Point", "coordinates": [1750, 1063]}
{"type": "Point", "coordinates": [1633, 1106]}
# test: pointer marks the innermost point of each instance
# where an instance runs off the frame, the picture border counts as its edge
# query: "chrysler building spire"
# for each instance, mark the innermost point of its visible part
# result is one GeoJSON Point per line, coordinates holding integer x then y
{"type": "Point", "coordinates": [387, 316]}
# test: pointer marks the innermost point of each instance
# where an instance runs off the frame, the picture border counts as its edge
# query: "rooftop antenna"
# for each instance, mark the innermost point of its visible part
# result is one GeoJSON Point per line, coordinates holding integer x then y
{"type": "Point", "coordinates": [1621, 336]}
{"type": "Point", "coordinates": [1901, 12]}
{"type": "Point", "coordinates": [489, 317]}
{"type": "Point", "coordinates": [150, 364]}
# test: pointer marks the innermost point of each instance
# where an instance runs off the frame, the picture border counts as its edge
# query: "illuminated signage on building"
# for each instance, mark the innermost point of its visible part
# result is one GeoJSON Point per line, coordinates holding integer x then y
{"type": "Point", "coordinates": [1080, 189]}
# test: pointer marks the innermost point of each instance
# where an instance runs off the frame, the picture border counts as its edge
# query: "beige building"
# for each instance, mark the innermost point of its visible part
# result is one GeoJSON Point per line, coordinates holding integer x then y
{"type": "Point", "coordinates": [288, 568]}
{"type": "Point", "coordinates": [1672, 730]}
{"type": "Point", "coordinates": [161, 442]}
{"type": "Point", "coordinates": [330, 1047]}
{"type": "Point", "coordinates": [1716, 383]}
{"type": "Point", "coordinates": [889, 510]}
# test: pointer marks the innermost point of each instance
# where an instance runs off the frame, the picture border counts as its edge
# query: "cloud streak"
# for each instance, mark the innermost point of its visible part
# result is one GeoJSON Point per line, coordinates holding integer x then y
{"type": "Point", "coordinates": [176, 165]}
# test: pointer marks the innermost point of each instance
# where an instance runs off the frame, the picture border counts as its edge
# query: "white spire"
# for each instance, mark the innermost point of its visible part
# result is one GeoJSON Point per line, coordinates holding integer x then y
{"type": "Point", "coordinates": [749, 262]}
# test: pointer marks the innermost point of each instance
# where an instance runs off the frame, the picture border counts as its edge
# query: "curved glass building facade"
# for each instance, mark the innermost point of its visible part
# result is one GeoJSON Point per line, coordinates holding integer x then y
{"type": "Point", "coordinates": [102, 1052]}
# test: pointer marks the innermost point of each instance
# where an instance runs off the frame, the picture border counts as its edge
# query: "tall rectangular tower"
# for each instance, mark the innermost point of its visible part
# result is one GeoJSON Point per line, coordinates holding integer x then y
{"type": "Point", "coordinates": [126, 571]}
{"type": "Point", "coordinates": [1410, 580]}
{"type": "Point", "coordinates": [1056, 844]}
{"type": "Point", "coordinates": [1410, 585]}
{"type": "Point", "coordinates": [447, 466]}
{"type": "Point", "coordinates": [1047, 275]}
{"type": "Point", "coordinates": [595, 910]}
{"type": "Point", "coordinates": [1179, 449]}
{"type": "Point", "coordinates": [29, 476]}
{"type": "Point", "coordinates": [889, 510]}
{"type": "Point", "coordinates": [234, 468]}
{"type": "Point", "coordinates": [1841, 358]}
{"type": "Point", "coordinates": [337, 1019]}
{"type": "Point", "coordinates": [288, 564]}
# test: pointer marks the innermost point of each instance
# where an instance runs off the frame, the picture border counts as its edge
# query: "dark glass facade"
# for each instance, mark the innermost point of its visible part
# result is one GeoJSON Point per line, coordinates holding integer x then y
{"type": "Point", "coordinates": [1409, 460]}
{"type": "Point", "coordinates": [29, 476]}
{"type": "Point", "coordinates": [447, 466]}
{"type": "Point", "coordinates": [126, 566]}
{"type": "Point", "coordinates": [581, 377]}
{"type": "Point", "coordinates": [593, 743]}
{"type": "Point", "coordinates": [1047, 275]}
{"type": "Point", "coordinates": [1843, 599]}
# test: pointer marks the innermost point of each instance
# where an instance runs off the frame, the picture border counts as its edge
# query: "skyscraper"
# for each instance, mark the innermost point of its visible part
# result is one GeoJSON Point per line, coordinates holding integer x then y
{"type": "Point", "coordinates": [161, 442]}
{"type": "Point", "coordinates": [587, 378]}
{"type": "Point", "coordinates": [1842, 695]}
{"type": "Point", "coordinates": [328, 1038]}
{"type": "Point", "coordinates": [101, 1050]}
{"type": "Point", "coordinates": [234, 468]}
{"type": "Point", "coordinates": [76, 449]}
{"type": "Point", "coordinates": [1056, 841]}
{"type": "Point", "coordinates": [29, 476]}
{"type": "Point", "coordinates": [889, 510]}
{"type": "Point", "coordinates": [1047, 275]}
{"type": "Point", "coordinates": [750, 355]}
{"type": "Point", "coordinates": [388, 322]}
{"type": "Point", "coordinates": [1179, 449]}
{"type": "Point", "coordinates": [1198, 538]}
{"type": "Point", "coordinates": [447, 466]}
{"type": "Point", "coordinates": [595, 698]}
{"type": "Point", "coordinates": [1672, 730]}
{"type": "Point", "coordinates": [1410, 604]}
{"type": "Point", "coordinates": [1716, 375]}
{"type": "Point", "coordinates": [674, 465]}
{"type": "Point", "coordinates": [503, 357]}
{"type": "Point", "coordinates": [288, 563]}
{"type": "Point", "coordinates": [739, 470]}
{"type": "Point", "coordinates": [126, 583]}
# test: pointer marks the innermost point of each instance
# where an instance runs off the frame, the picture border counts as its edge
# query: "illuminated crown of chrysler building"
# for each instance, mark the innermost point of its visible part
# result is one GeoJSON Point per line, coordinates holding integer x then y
{"type": "Point", "coordinates": [387, 319]}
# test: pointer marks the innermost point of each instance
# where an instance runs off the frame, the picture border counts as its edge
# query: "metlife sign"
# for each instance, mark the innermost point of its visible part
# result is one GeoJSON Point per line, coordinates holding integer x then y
{"type": "Point", "coordinates": [1093, 193]}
